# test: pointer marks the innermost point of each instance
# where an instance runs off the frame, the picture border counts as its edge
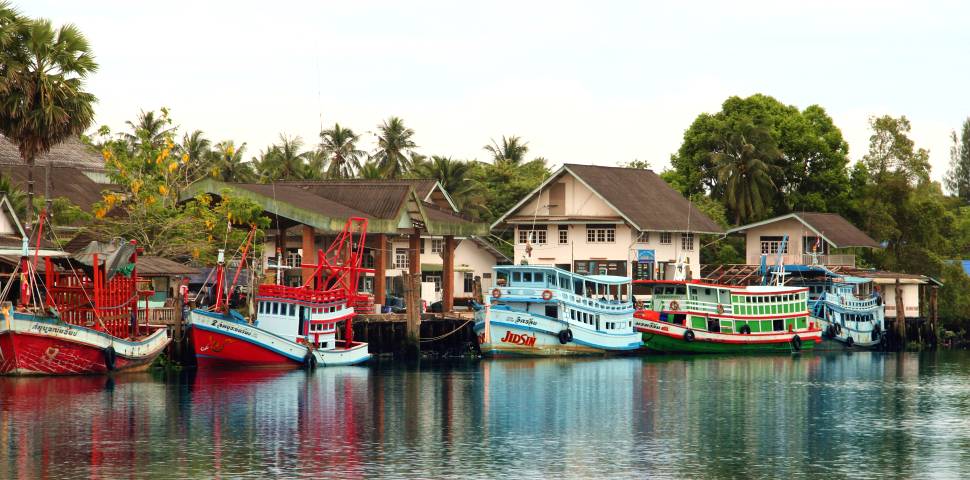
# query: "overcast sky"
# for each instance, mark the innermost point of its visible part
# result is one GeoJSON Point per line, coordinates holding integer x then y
{"type": "Point", "coordinates": [586, 82]}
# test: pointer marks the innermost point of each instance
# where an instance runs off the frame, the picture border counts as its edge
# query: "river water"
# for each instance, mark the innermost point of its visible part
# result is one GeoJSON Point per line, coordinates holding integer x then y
{"type": "Point", "coordinates": [832, 415]}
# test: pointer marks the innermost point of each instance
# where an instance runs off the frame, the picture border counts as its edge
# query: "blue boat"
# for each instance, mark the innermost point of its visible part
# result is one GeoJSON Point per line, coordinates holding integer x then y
{"type": "Point", "coordinates": [848, 308]}
{"type": "Point", "coordinates": [545, 311]}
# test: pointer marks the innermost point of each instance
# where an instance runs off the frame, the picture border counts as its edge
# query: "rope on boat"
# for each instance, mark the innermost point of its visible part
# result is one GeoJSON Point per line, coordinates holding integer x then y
{"type": "Point", "coordinates": [439, 337]}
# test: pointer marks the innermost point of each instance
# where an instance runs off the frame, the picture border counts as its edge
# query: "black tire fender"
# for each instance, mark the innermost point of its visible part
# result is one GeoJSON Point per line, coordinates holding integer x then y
{"type": "Point", "coordinates": [796, 343]}
{"type": "Point", "coordinates": [689, 335]}
{"type": "Point", "coordinates": [109, 358]}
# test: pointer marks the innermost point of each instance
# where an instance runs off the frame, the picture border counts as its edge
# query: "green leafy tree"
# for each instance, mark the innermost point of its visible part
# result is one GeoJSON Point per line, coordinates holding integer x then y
{"type": "Point", "coordinates": [504, 184]}
{"type": "Point", "coordinates": [340, 152]}
{"type": "Point", "coordinates": [892, 152]}
{"type": "Point", "coordinates": [743, 165]}
{"type": "Point", "coordinates": [455, 177]}
{"type": "Point", "coordinates": [957, 178]}
{"type": "Point", "coordinates": [636, 163]}
{"type": "Point", "coordinates": [283, 161]}
{"type": "Point", "coordinates": [227, 164]}
{"type": "Point", "coordinates": [803, 151]}
{"type": "Point", "coordinates": [512, 149]}
{"type": "Point", "coordinates": [394, 144]}
{"type": "Point", "coordinates": [42, 96]}
{"type": "Point", "coordinates": [370, 170]}
{"type": "Point", "coordinates": [153, 129]}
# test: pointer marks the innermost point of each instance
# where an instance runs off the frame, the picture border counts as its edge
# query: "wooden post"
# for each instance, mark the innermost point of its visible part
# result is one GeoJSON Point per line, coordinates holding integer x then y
{"type": "Point", "coordinates": [934, 316]}
{"type": "Point", "coordinates": [448, 274]}
{"type": "Point", "coordinates": [477, 290]}
{"type": "Point", "coordinates": [414, 253]}
{"type": "Point", "coordinates": [380, 270]}
{"type": "Point", "coordinates": [900, 316]}
{"type": "Point", "coordinates": [412, 300]}
{"type": "Point", "coordinates": [309, 252]}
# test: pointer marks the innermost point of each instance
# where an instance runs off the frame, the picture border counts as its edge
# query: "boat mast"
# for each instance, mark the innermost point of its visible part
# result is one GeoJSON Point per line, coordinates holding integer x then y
{"type": "Point", "coordinates": [220, 281]}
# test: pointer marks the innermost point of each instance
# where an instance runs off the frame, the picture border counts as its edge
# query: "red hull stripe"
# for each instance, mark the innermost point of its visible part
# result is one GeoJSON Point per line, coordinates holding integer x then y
{"type": "Point", "coordinates": [732, 316]}
{"type": "Point", "coordinates": [232, 349]}
{"type": "Point", "coordinates": [32, 354]}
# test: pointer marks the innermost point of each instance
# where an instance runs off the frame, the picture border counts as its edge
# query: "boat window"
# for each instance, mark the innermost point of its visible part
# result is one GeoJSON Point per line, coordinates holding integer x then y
{"type": "Point", "coordinates": [778, 325]}
{"type": "Point", "coordinates": [540, 277]}
{"type": "Point", "coordinates": [527, 276]}
{"type": "Point", "coordinates": [681, 290]}
{"type": "Point", "coordinates": [276, 308]}
{"type": "Point", "coordinates": [292, 310]}
{"type": "Point", "coordinates": [693, 292]}
{"type": "Point", "coordinates": [577, 286]}
{"type": "Point", "coordinates": [563, 282]}
{"type": "Point", "coordinates": [572, 313]}
{"type": "Point", "coordinates": [707, 291]}
{"type": "Point", "coordinates": [516, 277]}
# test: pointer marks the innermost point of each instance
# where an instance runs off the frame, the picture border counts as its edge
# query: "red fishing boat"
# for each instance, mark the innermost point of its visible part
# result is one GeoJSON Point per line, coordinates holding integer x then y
{"type": "Point", "coordinates": [293, 326]}
{"type": "Point", "coordinates": [81, 319]}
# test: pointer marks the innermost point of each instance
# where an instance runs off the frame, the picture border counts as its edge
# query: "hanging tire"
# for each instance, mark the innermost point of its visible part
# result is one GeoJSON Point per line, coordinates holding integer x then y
{"type": "Point", "coordinates": [689, 335]}
{"type": "Point", "coordinates": [309, 361]}
{"type": "Point", "coordinates": [849, 342]}
{"type": "Point", "coordinates": [745, 330]}
{"type": "Point", "coordinates": [569, 335]}
{"type": "Point", "coordinates": [564, 336]}
{"type": "Point", "coordinates": [109, 358]}
{"type": "Point", "coordinates": [837, 329]}
{"type": "Point", "coordinates": [796, 343]}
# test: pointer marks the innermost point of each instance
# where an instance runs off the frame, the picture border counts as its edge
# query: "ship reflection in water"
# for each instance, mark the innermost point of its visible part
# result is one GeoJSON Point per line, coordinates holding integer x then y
{"type": "Point", "coordinates": [862, 414]}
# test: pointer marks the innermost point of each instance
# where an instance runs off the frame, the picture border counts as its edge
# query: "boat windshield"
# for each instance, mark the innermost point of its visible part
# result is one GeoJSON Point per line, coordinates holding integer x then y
{"type": "Point", "coordinates": [559, 280]}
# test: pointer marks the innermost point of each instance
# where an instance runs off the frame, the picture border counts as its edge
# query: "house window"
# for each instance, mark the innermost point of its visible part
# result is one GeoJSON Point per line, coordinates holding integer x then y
{"type": "Point", "coordinates": [600, 233]}
{"type": "Point", "coordinates": [535, 237]}
{"type": "Point", "coordinates": [469, 282]}
{"type": "Point", "coordinates": [294, 259]}
{"type": "Point", "coordinates": [421, 242]}
{"type": "Point", "coordinates": [666, 238]}
{"type": "Point", "coordinates": [436, 279]}
{"type": "Point", "coordinates": [644, 237]}
{"type": "Point", "coordinates": [401, 259]}
{"type": "Point", "coordinates": [437, 245]}
{"type": "Point", "coordinates": [687, 242]}
{"type": "Point", "coordinates": [563, 234]}
{"type": "Point", "coordinates": [771, 245]}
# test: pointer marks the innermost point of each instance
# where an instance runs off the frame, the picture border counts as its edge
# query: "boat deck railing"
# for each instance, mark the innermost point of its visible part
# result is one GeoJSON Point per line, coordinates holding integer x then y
{"type": "Point", "coordinates": [535, 294]}
{"type": "Point", "coordinates": [850, 301]}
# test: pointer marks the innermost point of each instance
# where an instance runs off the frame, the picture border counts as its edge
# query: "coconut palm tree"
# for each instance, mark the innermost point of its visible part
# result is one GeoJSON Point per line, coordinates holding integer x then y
{"type": "Point", "coordinates": [42, 97]}
{"type": "Point", "coordinates": [394, 142]}
{"type": "Point", "coordinates": [512, 150]}
{"type": "Point", "coordinates": [283, 161]}
{"type": "Point", "coordinates": [743, 163]}
{"type": "Point", "coordinates": [149, 129]}
{"type": "Point", "coordinates": [370, 170]}
{"type": "Point", "coordinates": [340, 153]}
{"type": "Point", "coordinates": [454, 176]}
{"type": "Point", "coordinates": [227, 163]}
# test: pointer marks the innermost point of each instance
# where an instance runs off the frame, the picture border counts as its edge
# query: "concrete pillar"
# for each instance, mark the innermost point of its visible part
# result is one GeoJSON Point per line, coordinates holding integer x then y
{"type": "Point", "coordinates": [448, 274]}
{"type": "Point", "coordinates": [380, 269]}
{"type": "Point", "coordinates": [309, 252]}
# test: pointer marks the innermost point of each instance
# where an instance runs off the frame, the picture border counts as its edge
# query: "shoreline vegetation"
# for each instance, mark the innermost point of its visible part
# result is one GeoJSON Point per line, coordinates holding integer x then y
{"type": "Point", "coordinates": [754, 159]}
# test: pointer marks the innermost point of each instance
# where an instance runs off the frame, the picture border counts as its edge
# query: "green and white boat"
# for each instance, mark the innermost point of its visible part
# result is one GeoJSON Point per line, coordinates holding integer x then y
{"type": "Point", "coordinates": [689, 316]}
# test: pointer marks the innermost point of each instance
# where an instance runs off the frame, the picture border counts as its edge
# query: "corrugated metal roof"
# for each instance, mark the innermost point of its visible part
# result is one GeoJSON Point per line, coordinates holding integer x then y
{"type": "Point", "coordinates": [837, 229]}
{"type": "Point", "coordinates": [67, 182]}
{"type": "Point", "coordinates": [151, 266]}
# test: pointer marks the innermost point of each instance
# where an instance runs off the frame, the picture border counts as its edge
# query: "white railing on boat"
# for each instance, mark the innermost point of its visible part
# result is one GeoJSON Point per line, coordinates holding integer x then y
{"type": "Point", "coordinates": [842, 260]}
{"type": "Point", "coordinates": [608, 306]}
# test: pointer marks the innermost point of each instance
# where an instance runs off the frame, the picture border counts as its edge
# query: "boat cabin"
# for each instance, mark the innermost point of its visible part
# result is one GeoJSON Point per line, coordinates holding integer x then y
{"type": "Point", "coordinates": [301, 315]}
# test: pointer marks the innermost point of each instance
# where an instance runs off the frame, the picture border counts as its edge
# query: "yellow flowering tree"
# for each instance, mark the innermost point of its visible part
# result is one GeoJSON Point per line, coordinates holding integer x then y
{"type": "Point", "coordinates": [152, 173]}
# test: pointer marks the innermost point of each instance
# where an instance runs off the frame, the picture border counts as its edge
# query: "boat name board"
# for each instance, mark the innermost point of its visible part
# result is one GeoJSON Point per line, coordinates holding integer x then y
{"type": "Point", "coordinates": [654, 326]}
{"type": "Point", "coordinates": [53, 330]}
{"type": "Point", "coordinates": [519, 339]}
{"type": "Point", "coordinates": [232, 327]}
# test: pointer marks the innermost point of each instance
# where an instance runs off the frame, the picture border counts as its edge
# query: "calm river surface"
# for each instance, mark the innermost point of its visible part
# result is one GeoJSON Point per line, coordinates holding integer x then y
{"type": "Point", "coordinates": [825, 415]}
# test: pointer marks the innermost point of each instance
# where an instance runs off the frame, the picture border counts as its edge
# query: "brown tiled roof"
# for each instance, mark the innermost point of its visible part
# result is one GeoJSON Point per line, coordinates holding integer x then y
{"type": "Point", "coordinates": [70, 152]}
{"type": "Point", "coordinates": [67, 182]}
{"type": "Point", "coordinates": [837, 229]}
{"type": "Point", "coordinates": [644, 199]}
{"type": "Point", "coordinates": [294, 194]}
{"type": "Point", "coordinates": [377, 199]}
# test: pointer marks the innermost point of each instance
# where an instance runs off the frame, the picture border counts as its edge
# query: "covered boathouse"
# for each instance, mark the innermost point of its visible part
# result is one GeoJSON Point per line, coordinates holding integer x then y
{"type": "Point", "coordinates": [413, 226]}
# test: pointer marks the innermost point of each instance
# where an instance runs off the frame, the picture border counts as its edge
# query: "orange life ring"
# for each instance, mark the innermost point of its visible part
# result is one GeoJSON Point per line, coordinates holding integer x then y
{"type": "Point", "coordinates": [496, 293]}
{"type": "Point", "coordinates": [674, 305]}
{"type": "Point", "coordinates": [720, 309]}
{"type": "Point", "coordinates": [546, 295]}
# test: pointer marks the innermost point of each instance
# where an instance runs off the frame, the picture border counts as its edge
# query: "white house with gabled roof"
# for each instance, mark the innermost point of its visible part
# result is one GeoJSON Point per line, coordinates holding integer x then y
{"type": "Point", "coordinates": [593, 219]}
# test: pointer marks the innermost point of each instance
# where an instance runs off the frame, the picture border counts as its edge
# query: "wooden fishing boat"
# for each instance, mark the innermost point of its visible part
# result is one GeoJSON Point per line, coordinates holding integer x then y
{"type": "Point", "coordinates": [294, 326]}
{"type": "Point", "coordinates": [547, 311]}
{"type": "Point", "coordinates": [81, 320]}
{"type": "Point", "coordinates": [688, 316]}
{"type": "Point", "coordinates": [848, 309]}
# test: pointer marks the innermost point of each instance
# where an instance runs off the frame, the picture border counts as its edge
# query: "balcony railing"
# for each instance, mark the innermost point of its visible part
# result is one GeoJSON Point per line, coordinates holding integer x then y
{"type": "Point", "coordinates": [842, 260]}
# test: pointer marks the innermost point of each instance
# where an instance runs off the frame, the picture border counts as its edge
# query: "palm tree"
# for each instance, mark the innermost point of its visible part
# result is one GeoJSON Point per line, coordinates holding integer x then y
{"type": "Point", "coordinates": [453, 176]}
{"type": "Point", "coordinates": [16, 196]}
{"type": "Point", "coordinates": [283, 161]}
{"type": "Point", "coordinates": [197, 153]}
{"type": "Point", "coordinates": [228, 164]}
{"type": "Point", "coordinates": [512, 150]}
{"type": "Point", "coordinates": [339, 148]}
{"type": "Point", "coordinates": [743, 170]}
{"type": "Point", "coordinates": [370, 170]}
{"type": "Point", "coordinates": [314, 169]}
{"type": "Point", "coordinates": [149, 129]}
{"type": "Point", "coordinates": [42, 101]}
{"type": "Point", "coordinates": [393, 142]}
